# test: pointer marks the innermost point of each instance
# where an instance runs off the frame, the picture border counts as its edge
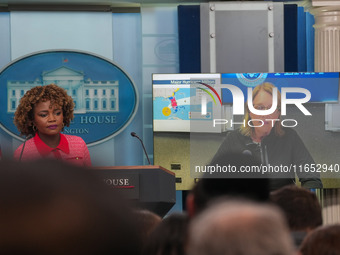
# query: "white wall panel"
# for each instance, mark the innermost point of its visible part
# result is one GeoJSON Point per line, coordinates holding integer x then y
{"type": "Point", "coordinates": [36, 31]}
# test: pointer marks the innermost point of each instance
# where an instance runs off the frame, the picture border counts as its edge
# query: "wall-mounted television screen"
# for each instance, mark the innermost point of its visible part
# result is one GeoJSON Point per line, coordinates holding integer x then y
{"type": "Point", "coordinates": [192, 102]}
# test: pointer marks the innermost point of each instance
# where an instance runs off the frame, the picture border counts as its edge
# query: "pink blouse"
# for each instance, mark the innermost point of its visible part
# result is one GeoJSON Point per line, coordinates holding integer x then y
{"type": "Point", "coordinates": [71, 149]}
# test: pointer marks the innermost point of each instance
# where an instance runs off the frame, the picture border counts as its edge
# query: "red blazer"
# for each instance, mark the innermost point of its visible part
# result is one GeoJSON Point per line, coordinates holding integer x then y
{"type": "Point", "coordinates": [70, 149]}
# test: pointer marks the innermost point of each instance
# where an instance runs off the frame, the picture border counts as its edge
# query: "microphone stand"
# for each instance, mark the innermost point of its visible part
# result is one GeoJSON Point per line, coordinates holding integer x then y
{"type": "Point", "coordinates": [146, 154]}
{"type": "Point", "coordinates": [23, 146]}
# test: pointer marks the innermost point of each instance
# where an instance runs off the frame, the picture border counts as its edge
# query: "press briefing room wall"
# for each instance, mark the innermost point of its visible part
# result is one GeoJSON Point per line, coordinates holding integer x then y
{"type": "Point", "coordinates": [154, 38]}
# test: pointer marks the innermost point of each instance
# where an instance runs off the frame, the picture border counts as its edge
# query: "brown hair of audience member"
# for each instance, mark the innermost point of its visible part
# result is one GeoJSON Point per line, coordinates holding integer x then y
{"type": "Point", "coordinates": [323, 240]}
{"type": "Point", "coordinates": [208, 189]}
{"type": "Point", "coordinates": [147, 221]}
{"type": "Point", "coordinates": [239, 227]}
{"type": "Point", "coordinates": [50, 207]}
{"type": "Point", "coordinates": [300, 206]}
{"type": "Point", "coordinates": [23, 117]}
{"type": "Point", "coordinates": [169, 237]}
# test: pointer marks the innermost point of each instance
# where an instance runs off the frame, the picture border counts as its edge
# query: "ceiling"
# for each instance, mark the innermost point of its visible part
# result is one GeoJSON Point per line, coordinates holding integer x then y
{"type": "Point", "coordinates": [94, 2]}
{"type": "Point", "coordinates": [92, 5]}
{"type": "Point", "coordinates": [85, 5]}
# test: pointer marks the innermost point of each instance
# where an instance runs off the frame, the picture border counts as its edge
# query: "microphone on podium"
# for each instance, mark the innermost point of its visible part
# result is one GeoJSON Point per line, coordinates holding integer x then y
{"type": "Point", "coordinates": [146, 154]}
{"type": "Point", "coordinates": [247, 152]}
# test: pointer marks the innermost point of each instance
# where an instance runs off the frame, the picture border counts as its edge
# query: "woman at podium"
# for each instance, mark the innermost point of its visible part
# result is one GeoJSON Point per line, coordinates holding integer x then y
{"type": "Point", "coordinates": [278, 148]}
{"type": "Point", "coordinates": [41, 116]}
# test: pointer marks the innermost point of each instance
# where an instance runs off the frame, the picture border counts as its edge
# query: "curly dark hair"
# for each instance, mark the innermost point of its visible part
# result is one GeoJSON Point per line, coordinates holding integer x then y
{"type": "Point", "coordinates": [23, 117]}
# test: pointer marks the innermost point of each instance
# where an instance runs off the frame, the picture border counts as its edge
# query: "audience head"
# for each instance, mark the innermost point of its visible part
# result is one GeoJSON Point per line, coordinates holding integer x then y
{"type": "Point", "coordinates": [50, 207]}
{"type": "Point", "coordinates": [209, 189]}
{"type": "Point", "coordinates": [169, 237]}
{"type": "Point", "coordinates": [147, 221]}
{"type": "Point", "coordinates": [300, 206]}
{"type": "Point", "coordinates": [239, 227]}
{"type": "Point", "coordinates": [322, 241]}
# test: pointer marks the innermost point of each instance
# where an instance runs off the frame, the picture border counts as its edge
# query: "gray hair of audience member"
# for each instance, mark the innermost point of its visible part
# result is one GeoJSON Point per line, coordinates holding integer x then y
{"type": "Point", "coordinates": [242, 228]}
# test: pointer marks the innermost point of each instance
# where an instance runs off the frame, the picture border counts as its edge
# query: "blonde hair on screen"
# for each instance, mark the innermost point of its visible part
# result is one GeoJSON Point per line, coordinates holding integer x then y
{"type": "Point", "coordinates": [267, 87]}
